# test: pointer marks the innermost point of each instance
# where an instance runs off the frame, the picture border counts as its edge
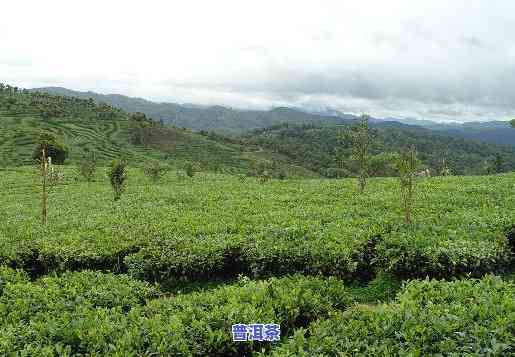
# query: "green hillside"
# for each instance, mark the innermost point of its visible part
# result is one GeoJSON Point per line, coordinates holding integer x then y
{"type": "Point", "coordinates": [216, 118]}
{"type": "Point", "coordinates": [326, 150]}
{"type": "Point", "coordinates": [85, 124]}
{"type": "Point", "coordinates": [235, 122]}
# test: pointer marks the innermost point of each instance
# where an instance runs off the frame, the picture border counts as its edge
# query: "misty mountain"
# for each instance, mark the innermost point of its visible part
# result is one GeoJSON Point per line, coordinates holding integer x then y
{"type": "Point", "coordinates": [232, 121]}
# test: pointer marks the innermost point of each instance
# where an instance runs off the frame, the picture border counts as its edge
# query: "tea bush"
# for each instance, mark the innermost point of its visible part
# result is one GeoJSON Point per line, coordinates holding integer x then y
{"type": "Point", "coordinates": [454, 248]}
{"type": "Point", "coordinates": [11, 276]}
{"type": "Point", "coordinates": [467, 317]}
{"type": "Point", "coordinates": [187, 257]}
{"type": "Point", "coordinates": [109, 316]}
{"type": "Point", "coordinates": [292, 226]}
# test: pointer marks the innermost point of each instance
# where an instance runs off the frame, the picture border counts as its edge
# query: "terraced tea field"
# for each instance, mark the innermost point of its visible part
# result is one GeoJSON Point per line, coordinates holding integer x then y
{"type": "Point", "coordinates": [109, 139]}
{"type": "Point", "coordinates": [226, 249]}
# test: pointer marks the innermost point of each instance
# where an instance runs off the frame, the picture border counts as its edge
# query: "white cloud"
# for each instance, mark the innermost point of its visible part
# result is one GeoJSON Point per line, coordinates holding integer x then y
{"type": "Point", "coordinates": [427, 59]}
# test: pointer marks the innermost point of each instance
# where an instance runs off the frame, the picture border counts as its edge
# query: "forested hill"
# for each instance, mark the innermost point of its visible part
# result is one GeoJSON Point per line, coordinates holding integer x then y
{"type": "Point", "coordinates": [213, 118]}
{"type": "Point", "coordinates": [83, 125]}
{"type": "Point", "coordinates": [322, 149]}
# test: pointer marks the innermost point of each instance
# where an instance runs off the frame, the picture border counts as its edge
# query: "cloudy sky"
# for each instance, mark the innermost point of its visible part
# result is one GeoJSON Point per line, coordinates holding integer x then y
{"type": "Point", "coordinates": [429, 59]}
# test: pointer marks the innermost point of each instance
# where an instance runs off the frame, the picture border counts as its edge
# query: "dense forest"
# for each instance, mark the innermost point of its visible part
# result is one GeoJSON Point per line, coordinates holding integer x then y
{"type": "Point", "coordinates": [327, 149]}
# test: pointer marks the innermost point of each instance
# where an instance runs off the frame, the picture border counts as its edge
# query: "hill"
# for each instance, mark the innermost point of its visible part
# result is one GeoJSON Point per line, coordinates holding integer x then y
{"type": "Point", "coordinates": [109, 132]}
{"type": "Point", "coordinates": [495, 132]}
{"type": "Point", "coordinates": [214, 118]}
{"type": "Point", "coordinates": [321, 148]}
{"type": "Point", "coordinates": [231, 121]}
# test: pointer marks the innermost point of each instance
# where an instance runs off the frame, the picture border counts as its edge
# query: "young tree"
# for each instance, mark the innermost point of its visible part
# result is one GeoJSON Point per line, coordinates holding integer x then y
{"type": "Point", "coordinates": [189, 169]}
{"type": "Point", "coordinates": [88, 166]}
{"type": "Point", "coordinates": [118, 177]}
{"type": "Point", "coordinates": [49, 178]}
{"type": "Point", "coordinates": [407, 165]}
{"type": "Point", "coordinates": [445, 170]}
{"type": "Point", "coordinates": [44, 177]}
{"type": "Point", "coordinates": [361, 138]}
{"type": "Point", "coordinates": [497, 164]}
{"type": "Point", "coordinates": [155, 171]}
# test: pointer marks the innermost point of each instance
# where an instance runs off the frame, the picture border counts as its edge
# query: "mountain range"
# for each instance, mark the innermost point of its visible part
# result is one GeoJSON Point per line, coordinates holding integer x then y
{"type": "Point", "coordinates": [230, 121]}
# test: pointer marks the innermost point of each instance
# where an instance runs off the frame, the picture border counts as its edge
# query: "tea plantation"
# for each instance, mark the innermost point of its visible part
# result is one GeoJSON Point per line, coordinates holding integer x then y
{"type": "Point", "coordinates": [171, 266]}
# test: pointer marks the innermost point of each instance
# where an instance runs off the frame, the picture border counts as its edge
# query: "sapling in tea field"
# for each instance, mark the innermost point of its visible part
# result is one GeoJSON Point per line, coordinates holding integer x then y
{"type": "Point", "coordinates": [189, 169]}
{"type": "Point", "coordinates": [407, 164]}
{"type": "Point", "coordinates": [155, 171]}
{"type": "Point", "coordinates": [49, 178]}
{"type": "Point", "coordinates": [361, 138]}
{"type": "Point", "coordinates": [88, 166]}
{"type": "Point", "coordinates": [118, 177]}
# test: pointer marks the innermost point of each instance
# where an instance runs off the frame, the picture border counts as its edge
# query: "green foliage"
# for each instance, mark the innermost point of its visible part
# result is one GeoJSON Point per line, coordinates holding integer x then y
{"type": "Point", "coordinates": [304, 226]}
{"type": "Point", "coordinates": [407, 164]}
{"type": "Point", "coordinates": [84, 123]}
{"type": "Point", "coordinates": [361, 138]}
{"type": "Point", "coordinates": [429, 318]}
{"type": "Point", "coordinates": [321, 148]}
{"type": "Point", "coordinates": [266, 170]}
{"type": "Point", "coordinates": [189, 169]}
{"type": "Point", "coordinates": [216, 227]}
{"type": "Point", "coordinates": [88, 165]}
{"type": "Point", "coordinates": [11, 276]}
{"type": "Point", "coordinates": [263, 170]}
{"type": "Point", "coordinates": [140, 129]}
{"type": "Point", "coordinates": [92, 313]}
{"type": "Point", "coordinates": [74, 311]}
{"type": "Point", "coordinates": [497, 165]}
{"type": "Point", "coordinates": [155, 171]}
{"type": "Point", "coordinates": [434, 248]}
{"type": "Point", "coordinates": [53, 148]}
{"type": "Point", "coordinates": [186, 257]}
{"type": "Point", "coordinates": [118, 177]}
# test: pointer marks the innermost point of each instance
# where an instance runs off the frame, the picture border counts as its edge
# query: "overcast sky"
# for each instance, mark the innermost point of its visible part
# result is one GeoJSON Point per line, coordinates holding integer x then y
{"type": "Point", "coordinates": [443, 60]}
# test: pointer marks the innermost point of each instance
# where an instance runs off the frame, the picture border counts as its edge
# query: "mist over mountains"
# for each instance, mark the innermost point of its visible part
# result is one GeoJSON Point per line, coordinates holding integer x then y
{"type": "Point", "coordinates": [231, 121]}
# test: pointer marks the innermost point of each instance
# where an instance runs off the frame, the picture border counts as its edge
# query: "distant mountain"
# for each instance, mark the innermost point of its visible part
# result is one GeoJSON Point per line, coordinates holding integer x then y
{"type": "Point", "coordinates": [322, 149]}
{"type": "Point", "coordinates": [231, 121]}
{"type": "Point", "coordinates": [215, 118]}
{"type": "Point", "coordinates": [495, 132]}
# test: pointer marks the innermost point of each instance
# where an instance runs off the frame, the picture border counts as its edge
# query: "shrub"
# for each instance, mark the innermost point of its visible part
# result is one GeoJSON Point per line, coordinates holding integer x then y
{"type": "Point", "coordinates": [79, 312]}
{"type": "Point", "coordinates": [11, 276]}
{"type": "Point", "coordinates": [93, 315]}
{"type": "Point", "coordinates": [340, 251]}
{"type": "Point", "coordinates": [155, 171]}
{"type": "Point", "coordinates": [88, 166]}
{"type": "Point", "coordinates": [186, 257]}
{"type": "Point", "coordinates": [189, 169]}
{"type": "Point", "coordinates": [118, 177]}
{"type": "Point", "coordinates": [407, 164]}
{"type": "Point", "coordinates": [468, 317]}
{"type": "Point", "coordinates": [443, 250]}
